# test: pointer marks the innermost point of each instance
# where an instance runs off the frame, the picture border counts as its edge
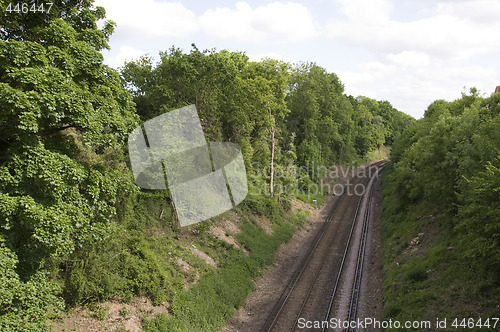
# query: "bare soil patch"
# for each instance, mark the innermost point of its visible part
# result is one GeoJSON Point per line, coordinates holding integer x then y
{"type": "Point", "coordinates": [264, 222]}
{"type": "Point", "coordinates": [209, 260]}
{"type": "Point", "coordinates": [302, 206]}
{"type": "Point", "coordinates": [118, 315]}
{"type": "Point", "coordinates": [226, 230]}
{"type": "Point", "coordinates": [192, 276]}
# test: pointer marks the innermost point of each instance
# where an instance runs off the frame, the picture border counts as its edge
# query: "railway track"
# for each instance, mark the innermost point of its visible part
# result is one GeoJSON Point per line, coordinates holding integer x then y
{"type": "Point", "coordinates": [356, 276]}
{"type": "Point", "coordinates": [313, 290]}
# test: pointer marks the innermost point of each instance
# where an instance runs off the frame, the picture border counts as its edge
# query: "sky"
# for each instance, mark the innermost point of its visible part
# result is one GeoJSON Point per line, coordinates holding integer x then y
{"type": "Point", "coordinates": [409, 52]}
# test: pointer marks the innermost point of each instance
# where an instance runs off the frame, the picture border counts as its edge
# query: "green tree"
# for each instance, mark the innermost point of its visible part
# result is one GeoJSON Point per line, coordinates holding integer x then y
{"type": "Point", "coordinates": [319, 113]}
{"type": "Point", "coordinates": [64, 116]}
{"type": "Point", "coordinates": [449, 161]}
{"type": "Point", "coordinates": [237, 100]}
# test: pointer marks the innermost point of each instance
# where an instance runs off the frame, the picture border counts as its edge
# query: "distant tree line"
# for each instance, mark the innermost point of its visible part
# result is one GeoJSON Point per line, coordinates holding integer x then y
{"type": "Point", "coordinates": [298, 112]}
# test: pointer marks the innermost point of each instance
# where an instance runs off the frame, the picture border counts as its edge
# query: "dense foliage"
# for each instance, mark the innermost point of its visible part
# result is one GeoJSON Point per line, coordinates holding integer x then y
{"type": "Point", "coordinates": [445, 183]}
{"type": "Point", "coordinates": [451, 158]}
{"type": "Point", "coordinates": [59, 105]}
{"type": "Point", "coordinates": [74, 229]}
{"type": "Point", "coordinates": [302, 108]}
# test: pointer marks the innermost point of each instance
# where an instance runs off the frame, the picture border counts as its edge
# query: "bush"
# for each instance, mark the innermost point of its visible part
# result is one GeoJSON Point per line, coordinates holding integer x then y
{"type": "Point", "coordinates": [415, 273]}
{"type": "Point", "coordinates": [444, 182]}
{"type": "Point", "coordinates": [24, 305]}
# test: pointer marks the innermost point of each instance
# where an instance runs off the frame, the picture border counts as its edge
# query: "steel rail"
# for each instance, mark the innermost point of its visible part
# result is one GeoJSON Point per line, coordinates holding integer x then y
{"type": "Point", "coordinates": [353, 304]}
{"type": "Point", "coordinates": [278, 308]}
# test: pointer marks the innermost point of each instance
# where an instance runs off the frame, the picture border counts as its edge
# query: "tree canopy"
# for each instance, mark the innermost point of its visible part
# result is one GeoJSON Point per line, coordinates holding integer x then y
{"type": "Point", "coordinates": [62, 113]}
{"type": "Point", "coordinates": [450, 159]}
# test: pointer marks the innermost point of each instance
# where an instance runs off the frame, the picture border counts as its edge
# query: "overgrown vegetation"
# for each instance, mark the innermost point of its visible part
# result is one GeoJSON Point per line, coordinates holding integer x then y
{"type": "Point", "coordinates": [74, 228]}
{"type": "Point", "coordinates": [442, 215]}
{"type": "Point", "coordinates": [226, 287]}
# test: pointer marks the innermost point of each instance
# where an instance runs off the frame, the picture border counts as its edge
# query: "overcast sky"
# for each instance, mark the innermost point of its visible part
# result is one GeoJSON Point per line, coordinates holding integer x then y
{"type": "Point", "coordinates": [409, 52]}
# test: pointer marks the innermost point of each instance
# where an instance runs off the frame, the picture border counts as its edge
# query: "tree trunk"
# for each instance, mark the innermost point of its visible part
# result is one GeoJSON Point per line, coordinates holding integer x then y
{"type": "Point", "coordinates": [175, 220]}
{"type": "Point", "coordinates": [271, 181]}
{"type": "Point", "coordinates": [271, 185]}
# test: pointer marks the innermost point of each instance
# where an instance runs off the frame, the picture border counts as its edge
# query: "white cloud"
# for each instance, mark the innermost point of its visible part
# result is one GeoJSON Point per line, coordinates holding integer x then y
{"type": "Point", "coordinates": [366, 12]}
{"type": "Point", "coordinates": [482, 11]}
{"type": "Point", "coordinates": [271, 55]}
{"type": "Point", "coordinates": [409, 58]}
{"type": "Point", "coordinates": [377, 68]}
{"type": "Point", "coordinates": [450, 33]}
{"type": "Point", "coordinates": [418, 61]}
{"type": "Point", "coordinates": [273, 23]}
{"type": "Point", "coordinates": [125, 53]}
{"type": "Point", "coordinates": [412, 89]}
{"type": "Point", "coordinates": [149, 19]}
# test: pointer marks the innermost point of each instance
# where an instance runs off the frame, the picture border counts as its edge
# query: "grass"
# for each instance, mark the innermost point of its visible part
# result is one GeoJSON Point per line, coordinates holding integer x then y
{"type": "Point", "coordinates": [431, 279]}
{"type": "Point", "coordinates": [308, 198]}
{"type": "Point", "coordinates": [210, 303]}
{"type": "Point", "coordinates": [101, 312]}
{"type": "Point", "coordinates": [380, 153]}
{"type": "Point", "coordinates": [140, 259]}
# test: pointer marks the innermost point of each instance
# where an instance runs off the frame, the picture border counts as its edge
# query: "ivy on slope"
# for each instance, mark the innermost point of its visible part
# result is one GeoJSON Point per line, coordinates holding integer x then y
{"type": "Point", "coordinates": [57, 100]}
